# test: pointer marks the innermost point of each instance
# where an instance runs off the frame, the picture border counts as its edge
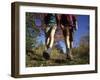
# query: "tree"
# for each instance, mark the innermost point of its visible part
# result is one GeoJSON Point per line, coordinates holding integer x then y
{"type": "Point", "coordinates": [84, 47]}
{"type": "Point", "coordinates": [31, 31]}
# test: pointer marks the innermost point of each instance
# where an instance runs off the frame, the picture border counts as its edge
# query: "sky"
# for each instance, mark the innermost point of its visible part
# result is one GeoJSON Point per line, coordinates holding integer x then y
{"type": "Point", "coordinates": [83, 29]}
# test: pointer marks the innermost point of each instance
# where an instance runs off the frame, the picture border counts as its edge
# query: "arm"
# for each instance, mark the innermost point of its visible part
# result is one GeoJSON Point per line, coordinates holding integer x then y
{"type": "Point", "coordinates": [75, 23]}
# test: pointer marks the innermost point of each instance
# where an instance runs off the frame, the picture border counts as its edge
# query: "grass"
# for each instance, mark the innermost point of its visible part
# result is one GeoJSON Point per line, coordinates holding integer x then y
{"type": "Point", "coordinates": [34, 57]}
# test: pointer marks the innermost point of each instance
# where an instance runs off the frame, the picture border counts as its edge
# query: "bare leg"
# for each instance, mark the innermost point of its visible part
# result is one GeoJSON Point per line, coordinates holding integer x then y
{"type": "Point", "coordinates": [52, 36]}
{"type": "Point", "coordinates": [49, 42]}
{"type": "Point", "coordinates": [68, 42]}
{"type": "Point", "coordinates": [50, 39]}
{"type": "Point", "coordinates": [69, 45]}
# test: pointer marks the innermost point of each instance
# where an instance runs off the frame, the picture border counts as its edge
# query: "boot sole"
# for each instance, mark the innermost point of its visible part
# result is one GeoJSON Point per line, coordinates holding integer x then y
{"type": "Point", "coordinates": [46, 55]}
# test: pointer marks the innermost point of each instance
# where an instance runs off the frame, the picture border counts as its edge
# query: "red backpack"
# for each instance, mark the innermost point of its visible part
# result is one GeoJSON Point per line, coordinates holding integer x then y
{"type": "Point", "coordinates": [72, 20]}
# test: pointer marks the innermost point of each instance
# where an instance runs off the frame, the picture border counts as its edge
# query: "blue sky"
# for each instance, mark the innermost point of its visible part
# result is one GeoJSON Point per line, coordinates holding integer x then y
{"type": "Point", "coordinates": [83, 29]}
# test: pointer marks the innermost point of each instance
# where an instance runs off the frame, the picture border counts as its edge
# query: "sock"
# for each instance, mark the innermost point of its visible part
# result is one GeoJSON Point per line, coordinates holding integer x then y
{"type": "Point", "coordinates": [48, 50]}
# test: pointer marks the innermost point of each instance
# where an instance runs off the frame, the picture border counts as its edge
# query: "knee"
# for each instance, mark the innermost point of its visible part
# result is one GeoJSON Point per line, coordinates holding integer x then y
{"type": "Point", "coordinates": [52, 36]}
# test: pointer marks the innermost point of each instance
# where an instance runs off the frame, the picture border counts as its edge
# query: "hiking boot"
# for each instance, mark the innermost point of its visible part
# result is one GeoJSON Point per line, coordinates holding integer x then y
{"type": "Point", "coordinates": [69, 56]}
{"type": "Point", "coordinates": [46, 55]}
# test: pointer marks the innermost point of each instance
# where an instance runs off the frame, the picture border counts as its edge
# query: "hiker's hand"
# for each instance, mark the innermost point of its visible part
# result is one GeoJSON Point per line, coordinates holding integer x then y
{"type": "Point", "coordinates": [76, 27]}
{"type": "Point", "coordinates": [62, 27]}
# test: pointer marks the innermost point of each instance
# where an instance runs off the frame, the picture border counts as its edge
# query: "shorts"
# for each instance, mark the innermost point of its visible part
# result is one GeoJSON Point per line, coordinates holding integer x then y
{"type": "Point", "coordinates": [65, 21]}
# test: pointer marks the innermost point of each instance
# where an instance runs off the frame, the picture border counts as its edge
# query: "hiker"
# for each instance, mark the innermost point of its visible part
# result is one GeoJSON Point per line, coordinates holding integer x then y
{"type": "Point", "coordinates": [51, 25]}
{"type": "Point", "coordinates": [68, 25]}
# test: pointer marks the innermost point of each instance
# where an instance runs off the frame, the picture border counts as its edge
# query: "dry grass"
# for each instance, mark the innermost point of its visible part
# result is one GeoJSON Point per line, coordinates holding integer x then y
{"type": "Point", "coordinates": [34, 57]}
